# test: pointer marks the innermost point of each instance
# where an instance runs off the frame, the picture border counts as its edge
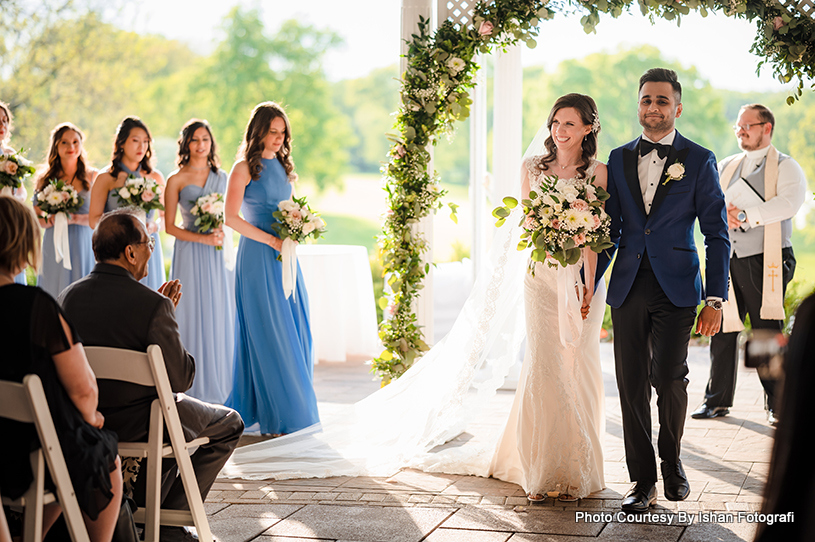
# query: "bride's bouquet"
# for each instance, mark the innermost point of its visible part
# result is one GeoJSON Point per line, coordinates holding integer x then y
{"type": "Point", "coordinates": [58, 197]}
{"type": "Point", "coordinates": [140, 192]}
{"type": "Point", "coordinates": [14, 169]}
{"type": "Point", "coordinates": [560, 218]}
{"type": "Point", "coordinates": [61, 200]}
{"type": "Point", "coordinates": [209, 213]}
{"type": "Point", "coordinates": [296, 223]}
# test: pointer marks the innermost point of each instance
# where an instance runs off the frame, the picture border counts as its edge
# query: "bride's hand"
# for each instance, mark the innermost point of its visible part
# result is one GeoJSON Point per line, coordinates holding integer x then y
{"type": "Point", "coordinates": [587, 296]}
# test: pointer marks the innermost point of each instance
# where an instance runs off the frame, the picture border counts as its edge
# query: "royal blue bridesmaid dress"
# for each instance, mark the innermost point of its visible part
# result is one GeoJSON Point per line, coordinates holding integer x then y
{"type": "Point", "coordinates": [273, 346]}
{"type": "Point", "coordinates": [155, 267]}
{"type": "Point", "coordinates": [206, 312]}
{"type": "Point", "coordinates": [53, 277]}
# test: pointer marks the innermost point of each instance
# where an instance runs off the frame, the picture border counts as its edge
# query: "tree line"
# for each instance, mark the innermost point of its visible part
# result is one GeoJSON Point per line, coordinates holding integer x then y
{"type": "Point", "coordinates": [63, 62]}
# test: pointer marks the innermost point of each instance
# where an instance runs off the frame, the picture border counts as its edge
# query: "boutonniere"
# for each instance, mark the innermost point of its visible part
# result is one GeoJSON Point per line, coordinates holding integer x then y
{"type": "Point", "coordinates": [676, 172]}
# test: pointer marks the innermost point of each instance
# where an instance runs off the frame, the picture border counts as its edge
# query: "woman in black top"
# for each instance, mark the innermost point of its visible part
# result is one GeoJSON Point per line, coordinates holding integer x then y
{"type": "Point", "coordinates": [37, 339]}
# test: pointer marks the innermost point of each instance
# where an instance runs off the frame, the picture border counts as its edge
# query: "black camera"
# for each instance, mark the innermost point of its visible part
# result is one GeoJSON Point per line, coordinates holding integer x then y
{"type": "Point", "coordinates": [764, 350]}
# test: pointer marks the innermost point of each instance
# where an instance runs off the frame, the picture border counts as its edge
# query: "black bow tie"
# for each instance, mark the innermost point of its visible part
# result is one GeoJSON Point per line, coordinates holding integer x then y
{"type": "Point", "coordinates": [646, 147]}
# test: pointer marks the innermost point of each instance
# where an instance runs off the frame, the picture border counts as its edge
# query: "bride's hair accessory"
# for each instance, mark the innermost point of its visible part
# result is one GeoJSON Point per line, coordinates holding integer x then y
{"type": "Point", "coordinates": [595, 124]}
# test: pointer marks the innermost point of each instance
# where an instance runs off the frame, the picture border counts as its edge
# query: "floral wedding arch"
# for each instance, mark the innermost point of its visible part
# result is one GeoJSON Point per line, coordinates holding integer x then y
{"type": "Point", "coordinates": [434, 95]}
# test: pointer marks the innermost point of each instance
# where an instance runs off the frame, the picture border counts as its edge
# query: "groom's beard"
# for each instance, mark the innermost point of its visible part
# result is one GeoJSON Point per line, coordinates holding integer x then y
{"type": "Point", "coordinates": [656, 123]}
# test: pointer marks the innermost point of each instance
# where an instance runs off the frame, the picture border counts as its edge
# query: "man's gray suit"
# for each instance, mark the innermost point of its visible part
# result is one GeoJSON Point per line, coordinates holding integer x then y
{"type": "Point", "coordinates": [110, 308]}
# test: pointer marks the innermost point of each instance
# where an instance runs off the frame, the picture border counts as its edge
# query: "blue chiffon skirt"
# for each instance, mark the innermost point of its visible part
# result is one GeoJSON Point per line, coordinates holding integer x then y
{"type": "Point", "coordinates": [206, 317]}
{"type": "Point", "coordinates": [273, 346]}
{"type": "Point", "coordinates": [53, 276]}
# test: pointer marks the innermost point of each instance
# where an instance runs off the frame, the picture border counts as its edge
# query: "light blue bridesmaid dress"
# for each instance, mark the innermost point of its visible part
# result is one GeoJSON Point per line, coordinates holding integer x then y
{"type": "Point", "coordinates": [53, 276]}
{"type": "Point", "coordinates": [206, 312]}
{"type": "Point", "coordinates": [273, 347]}
{"type": "Point", "coordinates": [155, 267]}
{"type": "Point", "coordinates": [20, 278]}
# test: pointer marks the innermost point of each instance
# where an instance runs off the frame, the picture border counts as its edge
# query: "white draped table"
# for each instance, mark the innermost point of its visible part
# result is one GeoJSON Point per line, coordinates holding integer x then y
{"type": "Point", "coordinates": [341, 301]}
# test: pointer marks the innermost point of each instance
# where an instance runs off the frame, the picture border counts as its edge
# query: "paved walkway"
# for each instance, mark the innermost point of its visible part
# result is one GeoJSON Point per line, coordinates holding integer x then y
{"type": "Point", "coordinates": [726, 461]}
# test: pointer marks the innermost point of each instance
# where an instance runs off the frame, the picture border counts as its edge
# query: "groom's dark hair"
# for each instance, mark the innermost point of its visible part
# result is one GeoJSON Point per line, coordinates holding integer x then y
{"type": "Point", "coordinates": [662, 75]}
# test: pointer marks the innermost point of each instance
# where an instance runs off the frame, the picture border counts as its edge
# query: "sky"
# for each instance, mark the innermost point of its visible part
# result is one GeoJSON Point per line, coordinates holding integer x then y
{"type": "Point", "coordinates": [717, 45]}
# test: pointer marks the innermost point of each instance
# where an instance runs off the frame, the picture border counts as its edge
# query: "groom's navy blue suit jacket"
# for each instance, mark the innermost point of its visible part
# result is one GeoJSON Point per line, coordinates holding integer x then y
{"type": "Point", "coordinates": [666, 233]}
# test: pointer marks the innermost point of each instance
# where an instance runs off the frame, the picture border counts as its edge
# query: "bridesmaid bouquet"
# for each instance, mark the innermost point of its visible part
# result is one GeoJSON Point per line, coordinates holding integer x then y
{"type": "Point", "coordinates": [296, 223]}
{"type": "Point", "coordinates": [562, 217]}
{"type": "Point", "coordinates": [14, 169]}
{"type": "Point", "coordinates": [140, 192]}
{"type": "Point", "coordinates": [209, 211]}
{"type": "Point", "coordinates": [58, 197]}
{"type": "Point", "coordinates": [61, 200]}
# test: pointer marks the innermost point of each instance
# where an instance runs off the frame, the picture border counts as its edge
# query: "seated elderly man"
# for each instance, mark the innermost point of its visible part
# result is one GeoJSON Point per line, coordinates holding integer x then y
{"type": "Point", "coordinates": [110, 307]}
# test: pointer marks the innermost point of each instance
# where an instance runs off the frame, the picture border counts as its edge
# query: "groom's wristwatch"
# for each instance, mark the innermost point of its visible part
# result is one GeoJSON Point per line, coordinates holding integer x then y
{"type": "Point", "coordinates": [716, 304]}
{"type": "Point", "coordinates": [742, 216]}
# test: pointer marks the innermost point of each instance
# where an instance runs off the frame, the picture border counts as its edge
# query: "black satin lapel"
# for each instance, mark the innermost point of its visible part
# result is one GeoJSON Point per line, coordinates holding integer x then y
{"type": "Point", "coordinates": [663, 188]}
{"type": "Point", "coordinates": [632, 177]}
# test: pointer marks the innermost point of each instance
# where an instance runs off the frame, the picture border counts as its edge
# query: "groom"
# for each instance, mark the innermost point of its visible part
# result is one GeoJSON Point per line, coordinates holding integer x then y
{"type": "Point", "coordinates": [660, 183]}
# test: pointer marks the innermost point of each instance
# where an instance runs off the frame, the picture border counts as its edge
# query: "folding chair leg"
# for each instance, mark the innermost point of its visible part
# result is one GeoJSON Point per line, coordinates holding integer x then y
{"type": "Point", "coordinates": [152, 505]}
{"type": "Point", "coordinates": [199, 515]}
{"type": "Point", "coordinates": [34, 500]}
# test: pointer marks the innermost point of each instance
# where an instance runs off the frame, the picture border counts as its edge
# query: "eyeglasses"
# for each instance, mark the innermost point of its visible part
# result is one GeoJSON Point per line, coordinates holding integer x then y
{"type": "Point", "coordinates": [746, 127]}
{"type": "Point", "coordinates": [151, 243]}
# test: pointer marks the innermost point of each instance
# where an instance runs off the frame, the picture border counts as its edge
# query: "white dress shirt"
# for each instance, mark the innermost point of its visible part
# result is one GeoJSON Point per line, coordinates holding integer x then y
{"type": "Point", "coordinates": [649, 170]}
{"type": "Point", "coordinates": [790, 191]}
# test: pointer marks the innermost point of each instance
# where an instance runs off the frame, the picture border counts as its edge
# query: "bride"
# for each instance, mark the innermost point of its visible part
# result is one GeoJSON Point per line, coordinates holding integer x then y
{"type": "Point", "coordinates": [434, 401]}
{"type": "Point", "coordinates": [552, 441]}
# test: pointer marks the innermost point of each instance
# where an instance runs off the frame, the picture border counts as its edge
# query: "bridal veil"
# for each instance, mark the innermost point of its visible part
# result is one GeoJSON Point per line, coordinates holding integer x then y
{"type": "Point", "coordinates": [432, 402]}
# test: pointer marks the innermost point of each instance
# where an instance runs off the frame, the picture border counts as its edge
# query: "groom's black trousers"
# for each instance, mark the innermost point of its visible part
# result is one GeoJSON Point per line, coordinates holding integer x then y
{"type": "Point", "coordinates": [651, 337]}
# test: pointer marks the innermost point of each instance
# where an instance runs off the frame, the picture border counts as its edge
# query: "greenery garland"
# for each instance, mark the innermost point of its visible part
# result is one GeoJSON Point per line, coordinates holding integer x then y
{"type": "Point", "coordinates": [440, 71]}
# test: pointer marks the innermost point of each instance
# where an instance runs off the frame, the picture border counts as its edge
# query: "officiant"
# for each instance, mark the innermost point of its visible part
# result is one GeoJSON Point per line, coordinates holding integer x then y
{"type": "Point", "coordinates": [763, 189]}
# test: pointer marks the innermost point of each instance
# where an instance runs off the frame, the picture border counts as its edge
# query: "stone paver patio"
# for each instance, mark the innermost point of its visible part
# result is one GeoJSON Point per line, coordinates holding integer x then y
{"type": "Point", "coordinates": [726, 460]}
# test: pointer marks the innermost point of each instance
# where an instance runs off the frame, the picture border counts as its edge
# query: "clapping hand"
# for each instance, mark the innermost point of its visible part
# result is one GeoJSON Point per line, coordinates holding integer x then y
{"type": "Point", "coordinates": [172, 291]}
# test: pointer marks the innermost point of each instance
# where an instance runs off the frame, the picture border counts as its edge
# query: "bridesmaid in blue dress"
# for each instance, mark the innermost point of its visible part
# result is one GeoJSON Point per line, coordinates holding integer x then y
{"type": "Point", "coordinates": [206, 314]}
{"type": "Point", "coordinates": [273, 346]}
{"type": "Point", "coordinates": [67, 162]}
{"type": "Point", "coordinates": [132, 155]}
{"type": "Point", "coordinates": [6, 125]}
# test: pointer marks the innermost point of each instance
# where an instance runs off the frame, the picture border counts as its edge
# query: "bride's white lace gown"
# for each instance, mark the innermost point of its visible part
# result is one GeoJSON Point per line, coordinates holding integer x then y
{"type": "Point", "coordinates": [552, 440]}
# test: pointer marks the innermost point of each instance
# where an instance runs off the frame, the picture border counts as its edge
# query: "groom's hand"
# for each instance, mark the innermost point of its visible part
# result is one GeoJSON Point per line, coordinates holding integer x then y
{"type": "Point", "coordinates": [709, 321]}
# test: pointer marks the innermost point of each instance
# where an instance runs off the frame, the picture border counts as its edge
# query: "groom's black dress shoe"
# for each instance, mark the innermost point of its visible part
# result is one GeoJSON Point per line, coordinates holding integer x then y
{"type": "Point", "coordinates": [639, 498]}
{"type": "Point", "coordinates": [676, 483]}
{"type": "Point", "coordinates": [705, 412]}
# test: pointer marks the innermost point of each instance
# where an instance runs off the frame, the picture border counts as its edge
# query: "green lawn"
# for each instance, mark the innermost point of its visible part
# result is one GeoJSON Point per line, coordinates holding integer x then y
{"type": "Point", "coordinates": [349, 230]}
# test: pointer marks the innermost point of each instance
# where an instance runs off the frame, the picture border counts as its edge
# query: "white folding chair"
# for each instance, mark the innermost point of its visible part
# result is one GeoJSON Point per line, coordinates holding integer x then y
{"type": "Point", "coordinates": [147, 369]}
{"type": "Point", "coordinates": [26, 403]}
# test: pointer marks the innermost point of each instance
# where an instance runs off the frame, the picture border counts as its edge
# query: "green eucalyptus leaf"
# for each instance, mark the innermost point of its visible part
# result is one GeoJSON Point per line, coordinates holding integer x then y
{"type": "Point", "coordinates": [510, 202]}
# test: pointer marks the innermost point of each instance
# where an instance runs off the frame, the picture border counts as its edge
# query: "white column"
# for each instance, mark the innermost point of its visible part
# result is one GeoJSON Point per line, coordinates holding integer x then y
{"type": "Point", "coordinates": [507, 147]}
{"type": "Point", "coordinates": [478, 163]}
{"type": "Point", "coordinates": [411, 10]}
{"type": "Point", "coordinates": [507, 144]}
